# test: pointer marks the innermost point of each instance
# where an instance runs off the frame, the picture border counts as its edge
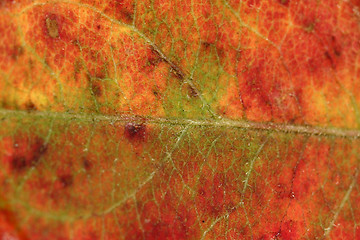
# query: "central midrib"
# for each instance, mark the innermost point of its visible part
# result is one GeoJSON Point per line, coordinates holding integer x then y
{"type": "Point", "coordinates": [217, 123]}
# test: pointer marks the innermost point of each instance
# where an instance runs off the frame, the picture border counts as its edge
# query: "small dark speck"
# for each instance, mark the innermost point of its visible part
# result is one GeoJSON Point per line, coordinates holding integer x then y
{"type": "Point", "coordinates": [206, 45]}
{"type": "Point", "coordinates": [66, 180]}
{"type": "Point", "coordinates": [86, 164]}
{"type": "Point", "coordinates": [19, 163]}
{"type": "Point", "coordinates": [17, 51]}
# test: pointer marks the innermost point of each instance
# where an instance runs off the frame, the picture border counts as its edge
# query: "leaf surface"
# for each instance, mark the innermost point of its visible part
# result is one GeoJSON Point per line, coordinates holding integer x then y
{"type": "Point", "coordinates": [179, 119]}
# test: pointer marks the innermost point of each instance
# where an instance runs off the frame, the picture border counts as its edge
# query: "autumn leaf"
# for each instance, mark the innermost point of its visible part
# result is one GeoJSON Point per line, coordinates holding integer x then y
{"type": "Point", "coordinates": [195, 119]}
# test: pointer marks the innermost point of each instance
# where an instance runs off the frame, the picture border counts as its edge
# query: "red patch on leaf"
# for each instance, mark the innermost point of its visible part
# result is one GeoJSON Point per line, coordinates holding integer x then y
{"type": "Point", "coordinates": [24, 152]}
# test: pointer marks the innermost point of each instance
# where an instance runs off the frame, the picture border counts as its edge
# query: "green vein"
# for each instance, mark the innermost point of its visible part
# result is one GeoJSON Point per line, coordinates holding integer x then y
{"type": "Point", "coordinates": [342, 204]}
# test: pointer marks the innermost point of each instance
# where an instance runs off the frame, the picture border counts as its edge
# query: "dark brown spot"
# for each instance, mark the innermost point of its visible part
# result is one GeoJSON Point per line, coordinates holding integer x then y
{"type": "Point", "coordinates": [337, 52]}
{"type": "Point", "coordinates": [329, 57]}
{"type": "Point", "coordinates": [87, 164]}
{"type": "Point", "coordinates": [98, 27]}
{"type": "Point", "coordinates": [155, 92]}
{"type": "Point", "coordinates": [19, 163]}
{"type": "Point", "coordinates": [135, 131]}
{"type": "Point", "coordinates": [206, 45]}
{"type": "Point", "coordinates": [27, 155]}
{"type": "Point", "coordinates": [52, 27]}
{"type": "Point", "coordinates": [127, 15]}
{"type": "Point", "coordinates": [30, 106]}
{"type": "Point", "coordinates": [96, 89]}
{"type": "Point", "coordinates": [336, 46]}
{"type": "Point", "coordinates": [17, 52]}
{"type": "Point", "coordinates": [66, 180]}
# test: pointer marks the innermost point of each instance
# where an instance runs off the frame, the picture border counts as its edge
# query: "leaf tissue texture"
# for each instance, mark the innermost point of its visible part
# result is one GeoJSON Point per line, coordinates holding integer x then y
{"type": "Point", "coordinates": [187, 119]}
